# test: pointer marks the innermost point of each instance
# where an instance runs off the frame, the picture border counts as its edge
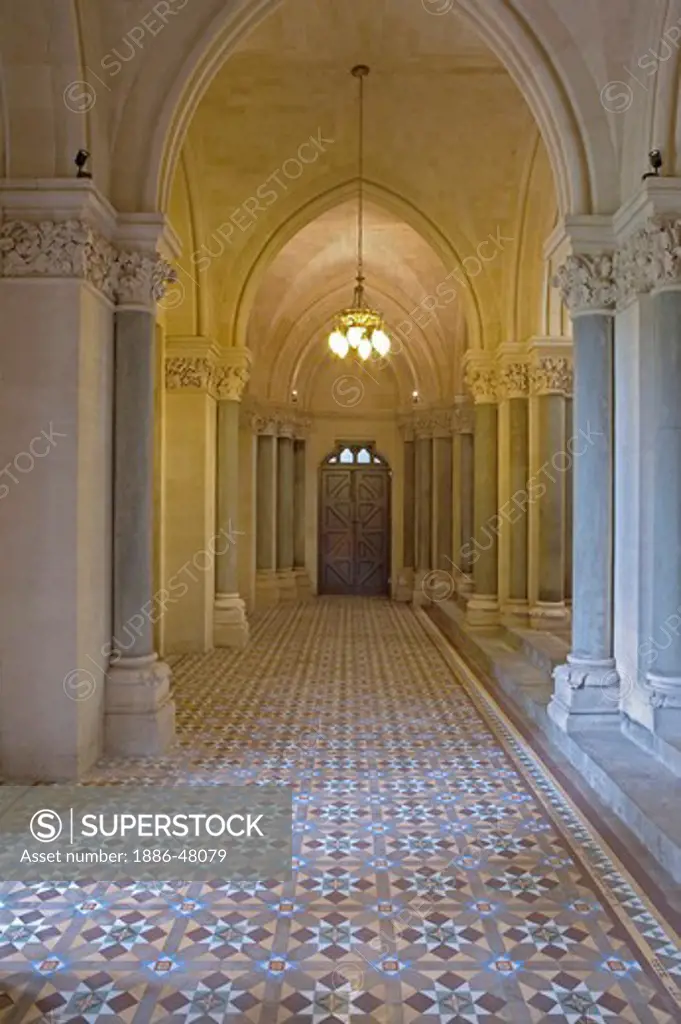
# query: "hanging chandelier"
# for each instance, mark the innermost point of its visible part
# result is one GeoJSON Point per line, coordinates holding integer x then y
{"type": "Point", "coordinates": [359, 328]}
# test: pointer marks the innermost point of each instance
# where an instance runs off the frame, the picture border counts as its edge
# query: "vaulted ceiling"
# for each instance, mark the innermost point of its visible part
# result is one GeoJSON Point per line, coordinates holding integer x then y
{"type": "Point", "coordinates": [453, 160]}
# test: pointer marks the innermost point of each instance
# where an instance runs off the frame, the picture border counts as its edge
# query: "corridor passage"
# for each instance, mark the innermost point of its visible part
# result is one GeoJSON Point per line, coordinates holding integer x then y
{"type": "Point", "coordinates": [439, 874]}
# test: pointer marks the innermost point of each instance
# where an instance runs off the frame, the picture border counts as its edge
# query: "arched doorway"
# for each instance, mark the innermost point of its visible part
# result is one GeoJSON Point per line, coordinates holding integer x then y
{"type": "Point", "coordinates": [354, 522]}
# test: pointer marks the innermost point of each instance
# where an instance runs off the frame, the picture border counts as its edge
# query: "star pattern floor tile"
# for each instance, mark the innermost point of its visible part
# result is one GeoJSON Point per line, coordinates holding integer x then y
{"type": "Point", "coordinates": [440, 873]}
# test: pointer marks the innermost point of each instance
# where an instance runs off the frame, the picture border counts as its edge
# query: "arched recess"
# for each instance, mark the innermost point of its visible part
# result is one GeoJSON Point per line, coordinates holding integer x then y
{"type": "Point", "coordinates": [164, 100]}
{"type": "Point", "coordinates": [393, 203]}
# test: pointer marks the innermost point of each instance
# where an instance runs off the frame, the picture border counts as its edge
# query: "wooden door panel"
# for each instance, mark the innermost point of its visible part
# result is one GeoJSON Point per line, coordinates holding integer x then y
{"type": "Point", "coordinates": [354, 541]}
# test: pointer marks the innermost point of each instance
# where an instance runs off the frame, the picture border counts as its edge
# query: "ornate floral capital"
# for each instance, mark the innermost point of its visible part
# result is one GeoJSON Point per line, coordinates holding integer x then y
{"type": "Point", "coordinates": [551, 376]}
{"type": "Point", "coordinates": [142, 278]}
{"type": "Point", "coordinates": [482, 382]}
{"type": "Point", "coordinates": [463, 418]}
{"type": "Point", "coordinates": [68, 248]}
{"type": "Point", "coordinates": [514, 380]}
{"type": "Point", "coordinates": [74, 249]}
{"type": "Point", "coordinates": [587, 283]}
{"type": "Point", "coordinates": [231, 381]}
{"type": "Point", "coordinates": [189, 372]}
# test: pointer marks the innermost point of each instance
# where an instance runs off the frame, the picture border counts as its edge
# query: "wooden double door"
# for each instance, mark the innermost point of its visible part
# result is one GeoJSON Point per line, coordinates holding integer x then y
{"type": "Point", "coordinates": [354, 540]}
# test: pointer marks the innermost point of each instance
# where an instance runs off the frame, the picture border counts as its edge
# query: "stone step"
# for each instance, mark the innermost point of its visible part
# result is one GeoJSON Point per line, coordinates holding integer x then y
{"type": "Point", "coordinates": [543, 650]}
{"type": "Point", "coordinates": [630, 781]}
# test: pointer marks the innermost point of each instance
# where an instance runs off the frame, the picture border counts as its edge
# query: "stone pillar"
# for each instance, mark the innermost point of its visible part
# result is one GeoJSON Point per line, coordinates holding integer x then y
{"type": "Point", "coordinates": [442, 498]}
{"type": "Point", "coordinates": [467, 468]}
{"type": "Point", "coordinates": [405, 583]}
{"type": "Point", "coordinates": [303, 585]}
{"type": "Point", "coordinates": [483, 606]}
{"type": "Point", "coordinates": [424, 511]}
{"type": "Point", "coordinates": [664, 651]}
{"type": "Point", "coordinates": [285, 522]}
{"type": "Point", "coordinates": [514, 472]}
{"type": "Point", "coordinates": [139, 714]}
{"type": "Point", "coordinates": [189, 543]}
{"type": "Point", "coordinates": [230, 626]}
{"type": "Point", "coordinates": [579, 700]}
{"type": "Point", "coordinates": [266, 585]}
{"type": "Point", "coordinates": [551, 382]}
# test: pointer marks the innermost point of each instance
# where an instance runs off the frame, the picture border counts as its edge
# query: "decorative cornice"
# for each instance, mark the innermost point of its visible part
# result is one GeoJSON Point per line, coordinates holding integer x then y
{"type": "Point", "coordinates": [587, 283]}
{"type": "Point", "coordinates": [513, 380]}
{"type": "Point", "coordinates": [73, 248]}
{"type": "Point", "coordinates": [551, 376]}
{"type": "Point", "coordinates": [482, 381]}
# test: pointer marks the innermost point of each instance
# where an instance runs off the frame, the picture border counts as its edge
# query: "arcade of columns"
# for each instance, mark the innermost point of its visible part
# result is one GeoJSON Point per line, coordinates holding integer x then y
{"type": "Point", "coordinates": [622, 285]}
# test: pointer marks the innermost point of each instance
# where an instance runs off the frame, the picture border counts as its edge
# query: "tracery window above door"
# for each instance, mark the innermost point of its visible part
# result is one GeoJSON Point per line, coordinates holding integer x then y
{"type": "Point", "coordinates": [354, 455]}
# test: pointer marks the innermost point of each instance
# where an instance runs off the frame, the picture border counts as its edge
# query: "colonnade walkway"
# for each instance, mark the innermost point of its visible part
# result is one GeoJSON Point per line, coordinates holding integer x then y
{"type": "Point", "coordinates": [441, 874]}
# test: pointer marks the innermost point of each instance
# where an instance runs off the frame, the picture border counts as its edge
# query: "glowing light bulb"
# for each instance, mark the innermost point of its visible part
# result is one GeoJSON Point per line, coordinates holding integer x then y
{"type": "Point", "coordinates": [342, 347]}
{"type": "Point", "coordinates": [381, 342]}
{"type": "Point", "coordinates": [364, 348]}
{"type": "Point", "coordinates": [355, 336]}
{"type": "Point", "coordinates": [336, 342]}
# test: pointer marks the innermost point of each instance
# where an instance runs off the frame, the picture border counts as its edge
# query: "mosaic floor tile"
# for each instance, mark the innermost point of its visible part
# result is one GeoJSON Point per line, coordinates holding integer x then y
{"type": "Point", "coordinates": [440, 873]}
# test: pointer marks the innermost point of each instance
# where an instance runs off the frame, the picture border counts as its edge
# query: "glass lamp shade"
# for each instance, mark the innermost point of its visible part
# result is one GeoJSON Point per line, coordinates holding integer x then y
{"type": "Point", "coordinates": [380, 342]}
{"type": "Point", "coordinates": [364, 349]}
{"type": "Point", "coordinates": [355, 335]}
{"type": "Point", "coordinates": [338, 344]}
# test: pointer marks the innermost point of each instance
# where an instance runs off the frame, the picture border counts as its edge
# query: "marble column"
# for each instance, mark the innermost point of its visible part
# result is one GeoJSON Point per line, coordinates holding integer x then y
{"type": "Point", "coordinates": [230, 625]}
{"type": "Point", "coordinates": [285, 521]}
{"type": "Point", "coordinates": [464, 561]}
{"type": "Point", "coordinates": [551, 378]}
{"type": "Point", "coordinates": [579, 700]}
{"type": "Point", "coordinates": [266, 585]}
{"type": "Point", "coordinates": [483, 606]}
{"type": "Point", "coordinates": [664, 649]}
{"type": "Point", "coordinates": [424, 515]}
{"type": "Point", "coordinates": [514, 447]}
{"type": "Point", "coordinates": [139, 714]}
{"type": "Point", "coordinates": [303, 585]}
{"type": "Point", "coordinates": [442, 500]}
{"type": "Point", "coordinates": [405, 584]}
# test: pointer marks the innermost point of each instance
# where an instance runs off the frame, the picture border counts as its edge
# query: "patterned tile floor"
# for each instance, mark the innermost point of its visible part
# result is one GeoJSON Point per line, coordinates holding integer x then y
{"type": "Point", "coordinates": [439, 876]}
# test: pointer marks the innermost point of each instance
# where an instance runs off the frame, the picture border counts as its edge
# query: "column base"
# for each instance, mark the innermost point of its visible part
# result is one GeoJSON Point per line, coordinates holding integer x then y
{"type": "Point", "coordinates": [516, 612]}
{"type": "Point", "coordinates": [303, 584]}
{"type": "Point", "coordinates": [139, 718]}
{"type": "Point", "coordinates": [266, 589]}
{"type": "Point", "coordinates": [664, 698]}
{"type": "Point", "coordinates": [465, 586]}
{"type": "Point", "coordinates": [404, 588]}
{"type": "Point", "coordinates": [483, 610]}
{"type": "Point", "coordinates": [549, 615]}
{"type": "Point", "coordinates": [230, 625]}
{"type": "Point", "coordinates": [586, 694]}
{"type": "Point", "coordinates": [286, 581]}
{"type": "Point", "coordinates": [433, 586]}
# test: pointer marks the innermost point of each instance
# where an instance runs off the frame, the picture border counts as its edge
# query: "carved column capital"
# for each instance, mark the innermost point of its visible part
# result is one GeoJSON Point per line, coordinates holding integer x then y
{"type": "Point", "coordinates": [194, 373]}
{"type": "Point", "coordinates": [551, 375]}
{"type": "Point", "coordinates": [64, 249]}
{"type": "Point", "coordinates": [482, 381]}
{"type": "Point", "coordinates": [587, 283]}
{"type": "Point", "coordinates": [513, 379]}
{"type": "Point", "coordinates": [142, 279]}
{"type": "Point", "coordinates": [232, 374]}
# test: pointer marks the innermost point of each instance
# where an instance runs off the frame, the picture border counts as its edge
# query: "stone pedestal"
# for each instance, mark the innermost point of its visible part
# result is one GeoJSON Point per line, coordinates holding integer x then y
{"type": "Point", "coordinates": [139, 715]}
{"type": "Point", "coordinates": [587, 686]}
